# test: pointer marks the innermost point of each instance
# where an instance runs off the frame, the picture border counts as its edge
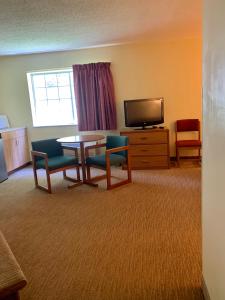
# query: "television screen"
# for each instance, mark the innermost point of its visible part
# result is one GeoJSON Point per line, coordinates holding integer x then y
{"type": "Point", "coordinates": [144, 112]}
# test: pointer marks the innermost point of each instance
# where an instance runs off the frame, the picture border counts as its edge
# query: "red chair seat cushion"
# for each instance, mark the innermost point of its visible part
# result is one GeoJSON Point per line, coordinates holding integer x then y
{"type": "Point", "coordinates": [188, 143]}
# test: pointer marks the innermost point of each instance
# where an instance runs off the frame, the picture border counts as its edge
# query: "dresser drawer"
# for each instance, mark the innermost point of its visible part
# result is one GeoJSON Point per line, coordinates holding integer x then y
{"type": "Point", "coordinates": [149, 150]}
{"type": "Point", "coordinates": [149, 162]}
{"type": "Point", "coordinates": [146, 138]}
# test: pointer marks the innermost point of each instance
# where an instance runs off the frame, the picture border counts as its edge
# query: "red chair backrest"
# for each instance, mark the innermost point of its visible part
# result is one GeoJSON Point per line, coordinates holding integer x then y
{"type": "Point", "coordinates": [188, 125]}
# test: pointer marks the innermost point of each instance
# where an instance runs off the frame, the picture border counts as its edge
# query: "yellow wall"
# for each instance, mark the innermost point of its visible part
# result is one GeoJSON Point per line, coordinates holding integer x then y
{"type": "Point", "coordinates": [171, 69]}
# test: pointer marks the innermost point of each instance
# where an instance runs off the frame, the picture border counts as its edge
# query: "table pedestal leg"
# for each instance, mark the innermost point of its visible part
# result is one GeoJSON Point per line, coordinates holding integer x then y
{"type": "Point", "coordinates": [83, 168]}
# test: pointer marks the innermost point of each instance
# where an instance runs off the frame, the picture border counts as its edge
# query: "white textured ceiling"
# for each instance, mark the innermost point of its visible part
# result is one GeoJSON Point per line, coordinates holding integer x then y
{"type": "Point", "coordinates": [31, 26]}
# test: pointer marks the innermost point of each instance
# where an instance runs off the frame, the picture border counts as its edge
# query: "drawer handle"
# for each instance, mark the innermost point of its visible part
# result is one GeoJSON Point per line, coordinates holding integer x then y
{"type": "Point", "coordinates": [143, 138]}
{"type": "Point", "coordinates": [144, 161]}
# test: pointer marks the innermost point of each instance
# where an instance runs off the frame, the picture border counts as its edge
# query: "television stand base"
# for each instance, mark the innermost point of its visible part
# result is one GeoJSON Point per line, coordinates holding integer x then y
{"type": "Point", "coordinates": [146, 128]}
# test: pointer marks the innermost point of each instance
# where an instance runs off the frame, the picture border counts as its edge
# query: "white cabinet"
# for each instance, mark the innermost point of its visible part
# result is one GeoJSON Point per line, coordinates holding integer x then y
{"type": "Point", "coordinates": [16, 149]}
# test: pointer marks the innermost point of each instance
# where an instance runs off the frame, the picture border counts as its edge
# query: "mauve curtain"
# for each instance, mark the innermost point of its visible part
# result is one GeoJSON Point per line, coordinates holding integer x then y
{"type": "Point", "coordinates": [95, 99]}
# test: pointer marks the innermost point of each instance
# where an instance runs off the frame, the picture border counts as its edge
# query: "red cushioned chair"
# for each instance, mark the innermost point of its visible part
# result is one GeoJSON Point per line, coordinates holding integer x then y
{"type": "Point", "coordinates": [188, 125]}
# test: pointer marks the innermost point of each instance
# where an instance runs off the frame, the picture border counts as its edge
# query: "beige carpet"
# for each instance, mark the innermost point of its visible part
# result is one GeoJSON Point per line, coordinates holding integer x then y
{"type": "Point", "coordinates": [140, 241]}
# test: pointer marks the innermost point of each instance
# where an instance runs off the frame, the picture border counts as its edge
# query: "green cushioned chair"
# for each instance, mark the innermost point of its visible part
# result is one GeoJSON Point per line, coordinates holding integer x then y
{"type": "Point", "coordinates": [116, 154]}
{"type": "Point", "coordinates": [48, 154]}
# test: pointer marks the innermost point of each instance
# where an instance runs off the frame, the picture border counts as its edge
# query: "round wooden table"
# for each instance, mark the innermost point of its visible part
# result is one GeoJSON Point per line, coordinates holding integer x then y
{"type": "Point", "coordinates": [81, 139]}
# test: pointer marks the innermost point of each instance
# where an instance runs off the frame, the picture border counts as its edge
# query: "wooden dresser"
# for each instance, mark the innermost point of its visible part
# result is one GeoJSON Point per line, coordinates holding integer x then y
{"type": "Point", "coordinates": [16, 149]}
{"type": "Point", "coordinates": [149, 149]}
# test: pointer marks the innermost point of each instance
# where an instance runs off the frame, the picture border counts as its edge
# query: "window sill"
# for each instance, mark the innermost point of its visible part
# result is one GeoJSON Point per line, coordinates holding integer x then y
{"type": "Point", "coordinates": [43, 126]}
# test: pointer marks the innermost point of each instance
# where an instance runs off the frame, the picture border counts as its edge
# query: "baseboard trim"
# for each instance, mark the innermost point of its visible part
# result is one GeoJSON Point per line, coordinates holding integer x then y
{"type": "Point", "coordinates": [205, 290]}
{"type": "Point", "coordinates": [19, 168]}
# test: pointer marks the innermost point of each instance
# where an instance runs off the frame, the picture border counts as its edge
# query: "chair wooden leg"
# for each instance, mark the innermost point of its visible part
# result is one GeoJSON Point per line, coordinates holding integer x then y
{"type": "Point", "coordinates": [48, 182]}
{"type": "Point", "coordinates": [108, 179]}
{"type": "Point", "coordinates": [46, 189]}
{"type": "Point", "coordinates": [91, 180]}
{"type": "Point", "coordinates": [178, 157]}
{"type": "Point", "coordinates": [76, 181]}
{"type": "Point", "coordinates": [64, 174]}
{"type": "Point", "coordinates": [70, 178]}
{"type": "Point", "coordinates": [108, 173]}
{"type": "Point", "coordinates": [129, 174]}
{"type": "Point", "coordinates": [37, 185]}
{"type": "Point", "coordinates": [35, 177]}
{"type": "Point", "coordinates": [78, 173]}
{"type": "Point", "coordinates": [128, 168]}
{"type": "Point", "coordinates": [88, 173]}
{"type": "Point", "coordinates": [199, 156]}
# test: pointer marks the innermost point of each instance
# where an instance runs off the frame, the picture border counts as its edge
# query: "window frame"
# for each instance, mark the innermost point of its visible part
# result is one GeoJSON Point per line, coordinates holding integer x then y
{"type": "Point", "coordinates": [31, 91]}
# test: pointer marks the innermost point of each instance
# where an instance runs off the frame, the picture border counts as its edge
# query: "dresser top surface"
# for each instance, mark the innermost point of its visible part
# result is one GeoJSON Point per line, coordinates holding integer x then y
{"type": "Point", "coordinates": [127, 131]}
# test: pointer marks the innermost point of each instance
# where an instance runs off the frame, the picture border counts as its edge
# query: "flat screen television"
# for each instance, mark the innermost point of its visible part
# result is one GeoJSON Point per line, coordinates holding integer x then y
{"type": "Point", "coordinates": [144, 112]}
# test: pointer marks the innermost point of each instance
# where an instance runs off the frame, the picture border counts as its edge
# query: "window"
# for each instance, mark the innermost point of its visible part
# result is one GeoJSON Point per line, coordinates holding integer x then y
{"type": "Point", "coordinates": [52, 98]}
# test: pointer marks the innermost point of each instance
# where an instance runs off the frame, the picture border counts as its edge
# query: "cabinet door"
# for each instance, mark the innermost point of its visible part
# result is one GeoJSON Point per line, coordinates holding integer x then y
{"type": "Point", "coordinates": [10, 153]}
{"type": "Point", "coordinates": [16, 149]}
{"type": "Point", "coordinates": [22, 150]}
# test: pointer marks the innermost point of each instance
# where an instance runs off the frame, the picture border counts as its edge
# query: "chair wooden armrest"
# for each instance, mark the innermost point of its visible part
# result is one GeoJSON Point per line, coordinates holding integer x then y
{"type": "Point", "coordinates": [93, 147]}
{"type": "Point", "coordinates": [113, 150]}
{"type": "Point", "coordinates": [37, 153]}
{"type": "Point", "coordinates": [118, 149]}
